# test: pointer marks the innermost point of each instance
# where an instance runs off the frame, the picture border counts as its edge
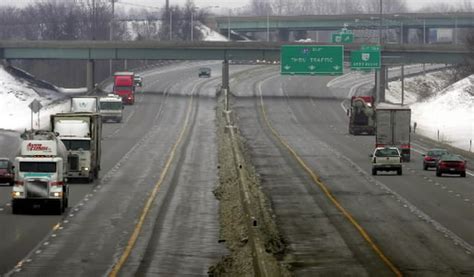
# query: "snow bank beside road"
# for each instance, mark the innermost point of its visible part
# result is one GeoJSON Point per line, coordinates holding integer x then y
{"type": "Point", "coordinates": [446, 116]}
{"type": "Point", "coordinates": [16, 95]}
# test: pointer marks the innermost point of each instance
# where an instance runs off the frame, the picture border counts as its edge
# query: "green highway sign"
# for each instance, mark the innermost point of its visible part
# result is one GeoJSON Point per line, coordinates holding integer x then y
{"type": "Point", "coordinates": [370, 48]}
{"type": "Point", "coordinates": [365, 59]}
{"type": "Point", "coordinates": [342, 38]}
{"type": "Point", "coordinates": [312, 59]}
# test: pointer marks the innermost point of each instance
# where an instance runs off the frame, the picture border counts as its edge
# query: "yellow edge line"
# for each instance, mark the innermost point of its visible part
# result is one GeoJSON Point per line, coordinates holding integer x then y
{"type": "Point", "coordinates": [328, 193]}
{"type": "Point", "coordinates": [134, 237]}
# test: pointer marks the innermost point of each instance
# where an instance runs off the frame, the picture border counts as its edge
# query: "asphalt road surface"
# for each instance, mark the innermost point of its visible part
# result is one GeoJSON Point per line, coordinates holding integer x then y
{"type": "Point", "coordinates": [422, 224]}
{"type": "Point", "coordinates": [152, 212]}
{"type": "Point", "coordinates": [167, 142]}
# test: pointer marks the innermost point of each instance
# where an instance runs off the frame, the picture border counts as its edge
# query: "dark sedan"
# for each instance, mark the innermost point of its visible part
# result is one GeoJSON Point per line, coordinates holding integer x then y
{"type": "Point", "coordinates": [6, 171]}
{"type": "Point", "coordinates": [451, 164]}
{"type": "Point", "coordinates": [432, 156]}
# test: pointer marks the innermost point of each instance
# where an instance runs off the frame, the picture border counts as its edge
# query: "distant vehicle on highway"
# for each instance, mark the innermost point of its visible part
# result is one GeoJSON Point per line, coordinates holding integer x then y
{"type": "Point", "coordinates": [451, 164]}
{"type": "Point", "coordinates": [137, 79]}
{"type": "Point", "coordinates": [362, 115]}
{"type": "Point", "coordinates": [393, 128]}
{"type": "Point", "coordinates": [124, 86]}
{"type": "Point", "coordinates": [111, 108]}
{"type": "Point", "coordinates": [204, 72]}
{"type": "Point", "coordinates": [7, 175]}
{"type": "Point", "coordinates": [430, 159]}
{"type": "Point", "coordinates": [386, 159]}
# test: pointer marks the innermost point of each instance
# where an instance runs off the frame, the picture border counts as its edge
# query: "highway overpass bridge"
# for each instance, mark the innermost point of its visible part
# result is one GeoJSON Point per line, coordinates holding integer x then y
{"type": "Point", "coordinates": [225, 51]}
{"type": "Point", "coordinates": [401, 23]}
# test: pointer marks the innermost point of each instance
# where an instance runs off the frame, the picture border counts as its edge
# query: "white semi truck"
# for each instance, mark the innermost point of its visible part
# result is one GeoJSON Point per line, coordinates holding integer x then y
{"type": "Point", "coordinates": [81, 133]}
{"type": "Point", "coordinates": [111, 108]}
{"type": "Point", "coordinates": [393, 128]}
{"type": "Point", "coordinates": [88, 104]}
{"type": "Point", "coordinates": [40, 172]}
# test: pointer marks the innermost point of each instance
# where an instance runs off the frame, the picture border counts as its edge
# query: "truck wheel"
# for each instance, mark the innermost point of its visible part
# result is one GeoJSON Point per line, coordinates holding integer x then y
{"type": "Point", "coordinates": [438, 173]}
{"type": "Point", "coordinates": [65, 202]}
{"type": "Point", "coordinates": [374, 171]}
{"type": "Point", "coordinates": [90, 179]}
{"type": "Point", "coordinates": [463, 174]}
{"type": "Point", "coordinates": [425, 167]}
{"type": "Point", "coordinates": [399, 171]}
{"type": "Point", "coordinates": [60, 208]}
{"type": "Point", "coordinates": [16, 209]}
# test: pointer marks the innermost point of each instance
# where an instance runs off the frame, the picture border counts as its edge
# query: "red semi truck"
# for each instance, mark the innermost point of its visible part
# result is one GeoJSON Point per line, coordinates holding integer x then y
{"type": "Point", "coordinates": [124, 86]}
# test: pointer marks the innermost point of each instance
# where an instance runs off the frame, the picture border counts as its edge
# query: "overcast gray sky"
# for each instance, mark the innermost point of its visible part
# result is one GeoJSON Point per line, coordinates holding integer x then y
{"type": "Point", "coordinates": [413, 4]}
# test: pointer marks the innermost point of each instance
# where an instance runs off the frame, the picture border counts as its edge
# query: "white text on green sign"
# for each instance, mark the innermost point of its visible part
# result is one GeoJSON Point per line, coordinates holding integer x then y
{"type": "Point", "coordinates": [312, 59]}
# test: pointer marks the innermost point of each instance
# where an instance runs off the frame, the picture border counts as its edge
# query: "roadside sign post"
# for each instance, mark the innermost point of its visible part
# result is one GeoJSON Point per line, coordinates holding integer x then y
{"type": "Point", "coordinates": [35, 106]}
{"type": "Point", "coordinates": [312, 60]}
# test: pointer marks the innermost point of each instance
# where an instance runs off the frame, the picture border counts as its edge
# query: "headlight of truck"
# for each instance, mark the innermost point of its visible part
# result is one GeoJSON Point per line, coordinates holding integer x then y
{"type": "Point", "coordinates": [85, 169]}
{"type": "Point", "coordinates": [16, 194]}
{"type": "Point", "coordinates": [56, 194]}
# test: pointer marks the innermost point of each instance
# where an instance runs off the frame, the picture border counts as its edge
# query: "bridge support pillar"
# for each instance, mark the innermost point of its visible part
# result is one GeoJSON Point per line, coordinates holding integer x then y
{"type": "Point", "coordinates": [404, 35]}
{"type": "Point", "coordinates": [283, 34]}
{"type": "Point", "coordinates": [90, 75]}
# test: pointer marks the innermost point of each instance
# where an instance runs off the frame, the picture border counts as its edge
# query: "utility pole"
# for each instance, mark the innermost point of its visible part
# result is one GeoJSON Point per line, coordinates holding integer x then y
{"type": "Point", "coordinates": [192, 25]}
{"type": "Point", "coordinates": [171, 25]}
{"type": "Point", "coordinates": [228, 26]}
{"type": "Point", "coordinates": [93, 20]}
{"type": "Point", "coordinates": [168, 12]}
{"type": "Point", "coordinates": [111, 34]}
{"type": "Point", "coordinates": [268, 25]}
{"type": "Point", "coordinates": [377, 74]}
{"type": "Point", "coordinates": [380, 23]}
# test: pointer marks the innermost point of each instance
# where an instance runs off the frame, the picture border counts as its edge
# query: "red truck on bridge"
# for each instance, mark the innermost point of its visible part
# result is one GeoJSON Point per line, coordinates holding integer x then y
{"type": "Point", "coordinates": [124, 86]}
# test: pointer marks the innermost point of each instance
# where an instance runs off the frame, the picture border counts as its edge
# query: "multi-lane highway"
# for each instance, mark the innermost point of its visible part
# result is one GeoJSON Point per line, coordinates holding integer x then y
{"type": "Point", "coordinates": [296, 127]}
{"type": "Point", "coordinates": [153, 211]}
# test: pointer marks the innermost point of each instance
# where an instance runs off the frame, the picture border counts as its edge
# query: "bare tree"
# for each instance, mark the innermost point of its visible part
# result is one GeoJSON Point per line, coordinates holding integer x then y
{"type": "Point", "coordinates": [260, 7]}
{"type": "Point", "coordinates": [388, 6]}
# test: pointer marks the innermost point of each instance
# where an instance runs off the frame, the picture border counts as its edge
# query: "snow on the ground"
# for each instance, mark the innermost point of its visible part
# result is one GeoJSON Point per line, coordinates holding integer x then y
{"type": "Point", "coordinates": [209, 34]}
{"type": "Point", "coordinates": [16, 95]}
{"type": "Point", "coordinates": [447, 115]}
{"type": "Point", "coordinates": [72, 90]}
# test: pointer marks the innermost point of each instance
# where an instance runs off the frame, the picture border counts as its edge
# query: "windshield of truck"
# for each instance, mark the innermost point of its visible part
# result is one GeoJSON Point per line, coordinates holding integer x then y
{"type": "Point", "coordinates": [387, 152]}
{"type": "Point", "coordinates": [3, 164]}
{"type": "Point", "coordinates": [110, 105]}
{"type": "Point", "coordinates": [122, 88]}
{"type": "Point", "coordinates": [77, 144]}
{"type": "Point", "coordinates": [37, 167]}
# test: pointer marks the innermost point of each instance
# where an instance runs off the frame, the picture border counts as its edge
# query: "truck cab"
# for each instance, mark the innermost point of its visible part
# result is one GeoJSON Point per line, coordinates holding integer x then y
{"type": "Point", "coordinates": [81, 134]}
{"type": "Point", "coordinates": [111, 108]}
{"type": "Point", "coordinates": [40, 173]}
{"type": "Point", "coordinates": [362, 115]}
{"type": "Point", "coordinates": [124, 86]}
